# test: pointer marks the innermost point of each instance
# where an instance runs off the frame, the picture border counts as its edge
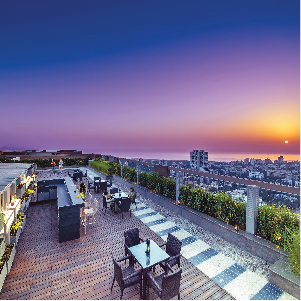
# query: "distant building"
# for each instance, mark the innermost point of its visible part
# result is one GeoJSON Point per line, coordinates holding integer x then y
{"type": "Point", "coordinates": [198, 160]}
{"type": "Point", "coordinates": [163, 162]}
{"type": "Point", "coordinates": [267, 160]}
{"type": "Point", "coordinates": [280, 159]}
{"type": "Point", "coordinates": [247, 160]}
{"type": "Point", "coordinates": [256, 175]}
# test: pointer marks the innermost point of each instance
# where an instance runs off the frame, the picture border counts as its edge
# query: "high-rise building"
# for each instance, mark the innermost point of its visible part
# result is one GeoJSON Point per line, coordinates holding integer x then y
{"type": "Point", "coordinates": [280, 159]}
{"type": "Point", "coordinates": [198, 160]}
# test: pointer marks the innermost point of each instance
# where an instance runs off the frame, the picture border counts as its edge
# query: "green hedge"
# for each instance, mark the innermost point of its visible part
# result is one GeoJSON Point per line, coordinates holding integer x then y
{"type": "Point", "coordinates": [106, 167]}
{"type": "Point", "coordinates": [292, 244]}
{"type": "Point", "coordinates": [159, 184]}
{"type": "Point", "coordinates": [273, 223]}
{"type": "Point", "coordinates": [221, 206]}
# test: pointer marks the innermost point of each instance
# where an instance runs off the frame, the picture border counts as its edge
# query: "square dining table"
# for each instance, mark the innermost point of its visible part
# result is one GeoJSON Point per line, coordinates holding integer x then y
{"type": "Point", "coordinates": [148, 259]}
{"type": "Point", "coordinates": [118, 198]}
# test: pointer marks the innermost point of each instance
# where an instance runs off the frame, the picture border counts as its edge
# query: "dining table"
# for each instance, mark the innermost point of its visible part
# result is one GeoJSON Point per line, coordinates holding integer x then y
{"type": "Point", "coordinates": [147, 260]}
{"type": "Point", "coordinates": [118, 197]}
{"type": "Point", "coordinates": [77, 175]}
{"type": "Point", "coordinates": [100, 185]}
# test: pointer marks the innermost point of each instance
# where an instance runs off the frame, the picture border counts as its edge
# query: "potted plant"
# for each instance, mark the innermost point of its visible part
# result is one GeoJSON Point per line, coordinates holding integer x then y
{"type": "Point", "coordinates": [20, 189]}
{"type": "Point", "coordinates": [3, 273]}
{"type": "Point", "coordinates": [2, 246]}
{"type": "Point", "coordinates": [16, 229]}
{"type": "Point", "coordinates": [2, 219]}
{"type": "Point", "coordinates": [8, 256]}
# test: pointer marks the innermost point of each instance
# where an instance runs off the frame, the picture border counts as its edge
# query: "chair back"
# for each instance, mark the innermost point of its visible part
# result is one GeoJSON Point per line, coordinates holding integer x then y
{"type": "Point", "coordinates": [132, 237]}
{"type": "Point", "coordinates": [104, 202]}
{"type": "Point", "coordinates": [171, 285]}
{"type": "Point", "coordinates": [173, 246]}
{"type": "Point", "coordinates": [125, 205]}
{"type": "Point", "coordinates": [118, 274]}
{"type": "Point", "coordinates": [113, 190]}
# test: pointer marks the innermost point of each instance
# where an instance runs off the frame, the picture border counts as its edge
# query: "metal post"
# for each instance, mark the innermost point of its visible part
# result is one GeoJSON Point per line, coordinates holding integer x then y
{"type": "Point", "coordinates": [121, 168]}
{"type": "Point", "coordinates": [179, 183]}
{"type": "Point", "coordinates": [138, 168]}
{"type": "Point", "coordinates": [252, 209]}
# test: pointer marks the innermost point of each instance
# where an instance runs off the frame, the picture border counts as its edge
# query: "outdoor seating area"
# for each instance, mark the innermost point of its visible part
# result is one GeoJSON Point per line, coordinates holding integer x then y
{"type": "Point", "coordinates": [115, 257]}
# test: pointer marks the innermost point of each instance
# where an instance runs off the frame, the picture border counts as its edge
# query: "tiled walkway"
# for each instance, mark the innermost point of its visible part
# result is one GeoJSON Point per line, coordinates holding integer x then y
{"type": "Point", "coordinates": [234, 278]}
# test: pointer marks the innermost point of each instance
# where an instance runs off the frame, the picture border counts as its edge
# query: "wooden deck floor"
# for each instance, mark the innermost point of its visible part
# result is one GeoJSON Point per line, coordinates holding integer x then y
{"type": "Point", "coordinates": [43, 268]}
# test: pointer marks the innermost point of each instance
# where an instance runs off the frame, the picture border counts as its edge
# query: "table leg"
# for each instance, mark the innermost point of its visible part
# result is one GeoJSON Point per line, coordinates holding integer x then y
{"type": "Point", "coordinates": [144, 284]}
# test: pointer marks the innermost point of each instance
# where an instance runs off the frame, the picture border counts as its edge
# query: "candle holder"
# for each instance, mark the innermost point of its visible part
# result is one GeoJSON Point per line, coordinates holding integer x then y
{"type": "Point", "coordinates": [147, 246]}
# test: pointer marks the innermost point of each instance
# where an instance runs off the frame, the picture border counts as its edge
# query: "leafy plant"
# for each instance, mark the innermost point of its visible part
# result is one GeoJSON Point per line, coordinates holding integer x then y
{"type": "Point", "coordinates": [292, 244]}
{"type": "Point", "coordinates": [19, 186]}
{"type": "Point", "coordinates": [2, 263]}
{"type": "Point", "coordinates": [7, 252]}
{"type": "Point", "coordinates": [15, 227]}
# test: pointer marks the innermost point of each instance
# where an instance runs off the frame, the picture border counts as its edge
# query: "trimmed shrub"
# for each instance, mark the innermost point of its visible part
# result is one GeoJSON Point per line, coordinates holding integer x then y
{"type": "Point", "coordinates": [292, 244]}
{"type": "Point", "coordinates": [274, 224]}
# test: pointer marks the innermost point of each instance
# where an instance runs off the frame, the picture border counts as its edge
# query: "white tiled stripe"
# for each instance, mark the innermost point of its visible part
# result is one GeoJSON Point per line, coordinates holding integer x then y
{"type": "Point", "coordinates": [194, 249]}
{"type": "Point", "coordinates": [139, 205]}
{"type": "Point", "coordinates": [152, 218]}
{"type": "Point", "coordinates": [215, 265]}
{"type": "Point", "coordinates": [162, 226]}
{"type": "Point", "coordinates": [246, 285]}
{"type": "Point", "coordinates": [143, 211]}
{"type": "Point", "coordinates": [181, 234]}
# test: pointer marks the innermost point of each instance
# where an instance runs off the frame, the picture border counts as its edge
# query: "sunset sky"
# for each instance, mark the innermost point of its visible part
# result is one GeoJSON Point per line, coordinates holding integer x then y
{"type": "Point", "coordinates": [144, 78]}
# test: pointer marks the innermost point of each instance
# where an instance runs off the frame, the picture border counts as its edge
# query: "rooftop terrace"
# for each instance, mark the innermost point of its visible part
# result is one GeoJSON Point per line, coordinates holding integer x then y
{"type": "Point", "coordinates": [43, 268]}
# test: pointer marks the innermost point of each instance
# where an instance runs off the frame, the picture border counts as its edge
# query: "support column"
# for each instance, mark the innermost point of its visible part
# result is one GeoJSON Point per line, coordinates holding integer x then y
{"type": "Point", "coordinates": [252, 209]}
{"type": "Point", "coordinates": [5, 200]}
{"type": "Point", "coordinates": [121, 167]}
{"type": "Point", "coordinates": [179, 183]}
{"type": "Point", "coordinates": [138, 168]}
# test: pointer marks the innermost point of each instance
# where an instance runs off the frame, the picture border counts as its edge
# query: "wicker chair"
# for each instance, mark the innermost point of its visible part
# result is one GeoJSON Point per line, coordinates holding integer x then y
{"type": "Point", "coordinates": [166, 286]}
{"type": "Point", "coordinates": [91, 186]}
{"type": "Point", "coordinates": [131, 238]}
{"type": "Point", "coordinates": [173, 249]}
{"type": "Point", "coordinates": [126, 277]}
{"type": "Point", "coordinates": [125, 206]}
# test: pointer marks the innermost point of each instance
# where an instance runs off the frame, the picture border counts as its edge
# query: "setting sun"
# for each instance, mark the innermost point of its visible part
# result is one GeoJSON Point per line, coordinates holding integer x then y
{"type": "Point", "coordinates": [285, 141]}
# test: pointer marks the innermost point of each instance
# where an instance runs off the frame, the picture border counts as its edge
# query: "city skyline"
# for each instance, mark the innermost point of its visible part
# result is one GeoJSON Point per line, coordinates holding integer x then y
{"type": "Point", "coordinates": [151, 78]}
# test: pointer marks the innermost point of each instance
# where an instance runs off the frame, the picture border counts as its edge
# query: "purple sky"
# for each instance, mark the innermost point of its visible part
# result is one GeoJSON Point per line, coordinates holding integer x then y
{"type": "Point", "coordinates": [141, 78]}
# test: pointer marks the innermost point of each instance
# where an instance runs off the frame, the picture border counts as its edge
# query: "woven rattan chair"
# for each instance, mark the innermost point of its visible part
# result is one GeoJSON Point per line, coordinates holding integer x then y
{"type": "Point", "coordinates": [131, 238]}
{"type": "Point", "coordinates": [173, 249]}
{"type": "Point", "coordinates": [166, 286]}
{"type": "Point", "coordinates": [125, 206]}
{"type": "Point", "coordinates": [126, 277]}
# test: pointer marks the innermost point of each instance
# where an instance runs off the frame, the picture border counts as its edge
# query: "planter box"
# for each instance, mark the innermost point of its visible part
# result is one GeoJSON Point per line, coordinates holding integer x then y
{"type": "Point", "coordinates": [20, 192]}
{"type": "Point", "coordinates": [14, 239]}
{"type": "Point", "coordinates": [3, 276]}
{"type": "Point", "coordinates": [23, 206]}
{"type": "Point", "coordinates": [2, 246]}
{"type": "Point", "coordinates": [281, 276]}
{"type": "Point", "coordinates": [23, 224]}
{"type": "Point", "coordinates": [11, 259]}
